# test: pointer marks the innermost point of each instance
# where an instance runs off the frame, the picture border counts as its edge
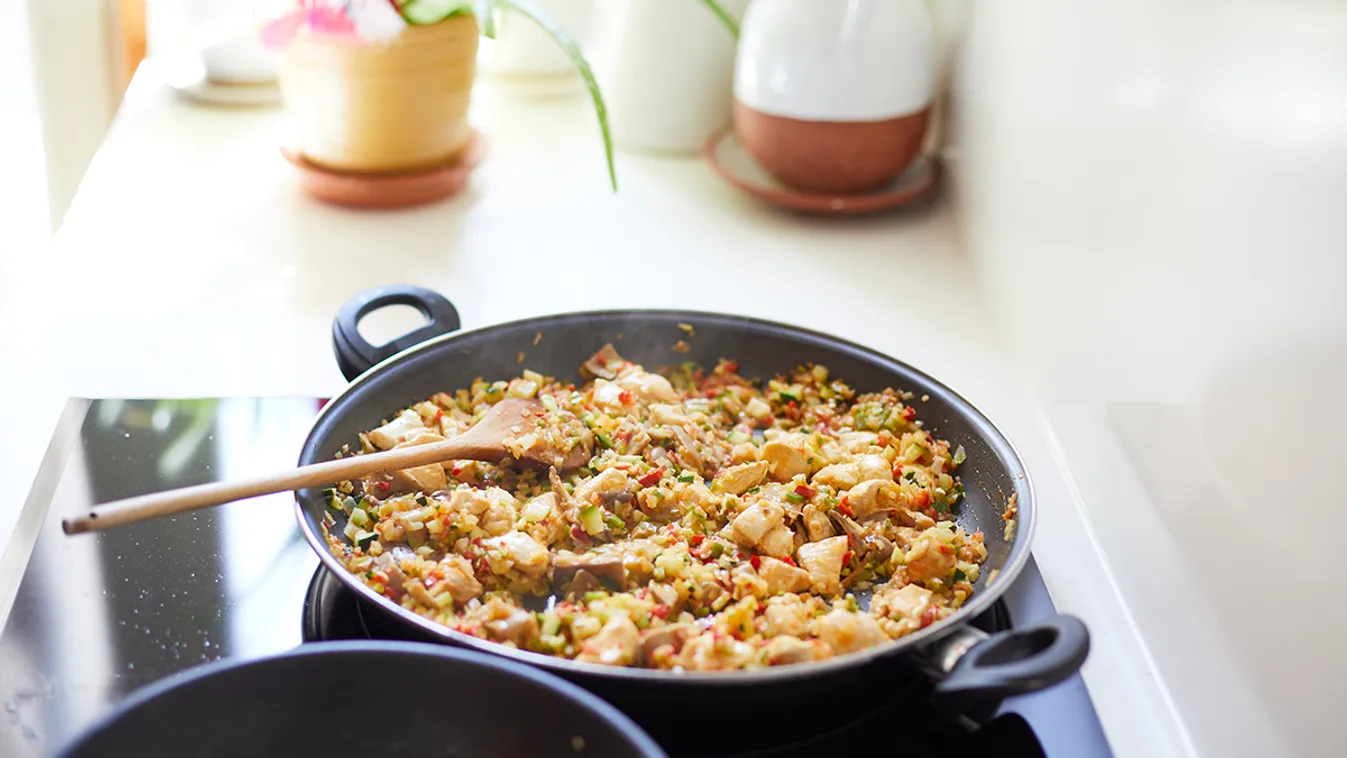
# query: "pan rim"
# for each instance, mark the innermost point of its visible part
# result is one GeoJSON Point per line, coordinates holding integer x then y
{"type": "Point", "coordinates": [980, 602]}
{"type": "Point", "coordinates": [505, 667]}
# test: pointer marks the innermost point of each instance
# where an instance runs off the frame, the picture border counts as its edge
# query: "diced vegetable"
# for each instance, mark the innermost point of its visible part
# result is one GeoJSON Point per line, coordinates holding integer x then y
{"type": "Point", "coordinates": [591, 519]}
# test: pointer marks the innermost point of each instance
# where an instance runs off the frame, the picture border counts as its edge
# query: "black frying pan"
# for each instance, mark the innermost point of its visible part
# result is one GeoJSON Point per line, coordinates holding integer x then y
{"type": "Point", "coordinates": [971, 668]}
{"type": "Point", "coordinates": [365, 699]}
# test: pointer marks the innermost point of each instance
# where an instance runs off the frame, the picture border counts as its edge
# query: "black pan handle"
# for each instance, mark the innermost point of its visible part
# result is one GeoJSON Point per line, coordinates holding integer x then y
{"type": "Point", "coordinates": [355, 356]}
{"type": "Point", "coordinates": [984, 669]}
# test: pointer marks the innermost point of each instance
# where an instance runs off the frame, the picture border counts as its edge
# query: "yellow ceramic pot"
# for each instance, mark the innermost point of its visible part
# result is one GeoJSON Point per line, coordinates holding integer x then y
{"type": "Point", "coordinates": [376, 108]}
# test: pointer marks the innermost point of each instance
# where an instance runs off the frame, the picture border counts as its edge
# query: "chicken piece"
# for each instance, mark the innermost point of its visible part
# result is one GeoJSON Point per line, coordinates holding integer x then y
{"type": "Point", "coordinates": [823, 561]}
{"type": "Point", "coordinates": [786, 458]}
{"type": "Point", "coordinates": [779, 542]}
{"type": "Point", "coordinates": [782, 577]}
{"type": "Point", "coordinates": [458, 580]}
{"type": "Point", "coordinates": [845, 632]}
{"type": "Point", "coordinates": [408, 424]}
{"type": "Point", "coordinates": [523, 551]}
{"type": "Point", "coordinates": [787, 614]}
{"type": "Point", "coordinates": [906, 605]}
{"type": "Point", "coordinates": [744, 452]}
{"type": "Point", "coordinates": [696, 495]}
{"type": "Point", "coordinates": [605, 488]}
{"type": "Point", "coordinates": [610, 396]}
{"type": "Point", "coordinates": [756, 522]}
{"type": "Point", "coordinates": [615, 644]}
{"type": "Point", "coordinates": [932, 555]}
{"type": "Point", "coordinates": [605, 364]}
{"type": "Point", "coordinates": [506, 623]}
{"type": "Point", "coordinates": [420, 479]}
{"type": "Point", "coordinates": [417, 589]}
{"type": "Point", "coordinates": [785, 650]}
{"type": "Point", "coordinates": [602, 566]}
{"type": "Point", "coordinates": [817, 524]}
{"type": "Point", "coordinates": [671, 635]}
{"type": "Point", "coordinates": [663, 413]}
{"type": "Point", "coordinates": [738, 479]}
{"type": "Point", "coordinates": [843, 476]}
{"type": "Point", "coordinates": [501, 511]}
{"type": "Point", "coordinates": [711, 652]}
{"type": "Point", "coordinates": [873, 496]}
{"type": "Point", "coordinates": [651, 388]}
{"type": "Point", "coordinates": [466, 499]}
{"type": "Point", "coordinates": [857, 442]}
{"type": "Point", "coordinates": [874, 467]}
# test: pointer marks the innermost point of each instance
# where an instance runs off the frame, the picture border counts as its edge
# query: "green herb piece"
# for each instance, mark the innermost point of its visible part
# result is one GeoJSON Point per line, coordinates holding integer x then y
{"type": "Point", "coordinates": [959, 575]}
{"type": "Point", "coordinates": [959, 456]}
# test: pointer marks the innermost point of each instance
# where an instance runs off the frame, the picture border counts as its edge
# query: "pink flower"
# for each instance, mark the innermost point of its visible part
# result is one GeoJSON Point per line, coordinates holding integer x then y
{"type": "Point", "coordinates": [350, 20]}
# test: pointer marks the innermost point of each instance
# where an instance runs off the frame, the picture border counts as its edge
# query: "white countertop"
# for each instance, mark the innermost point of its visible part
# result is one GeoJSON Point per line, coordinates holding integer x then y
{"type": "Point", "coordinates": [191, 265]}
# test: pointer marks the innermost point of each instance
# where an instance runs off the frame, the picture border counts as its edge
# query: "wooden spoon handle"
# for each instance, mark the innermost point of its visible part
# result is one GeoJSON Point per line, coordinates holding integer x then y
{"type": "Point", "coordinates": [133, 509]}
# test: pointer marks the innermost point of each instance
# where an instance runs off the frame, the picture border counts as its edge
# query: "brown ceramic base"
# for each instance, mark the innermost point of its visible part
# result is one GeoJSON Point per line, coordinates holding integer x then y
{"type": "Point", "coordinates": [392, 190]}
{"type": "Point", "coordinates": [729, 159]}
{"type": "Point", "coordinates": [833, 157]}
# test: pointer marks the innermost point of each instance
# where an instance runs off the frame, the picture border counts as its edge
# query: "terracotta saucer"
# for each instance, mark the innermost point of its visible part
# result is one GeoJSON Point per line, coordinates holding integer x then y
{"type": "Point", "coordinates": [391, 190]}
{"type": "Point", "coordinates": [729, 159]}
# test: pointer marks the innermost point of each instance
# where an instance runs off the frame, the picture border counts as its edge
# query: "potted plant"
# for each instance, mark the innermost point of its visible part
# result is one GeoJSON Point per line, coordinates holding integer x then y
{"type": "Point", "coordinates": [377, 87]}
{"type": "Point", "coordinates": [671, 81]}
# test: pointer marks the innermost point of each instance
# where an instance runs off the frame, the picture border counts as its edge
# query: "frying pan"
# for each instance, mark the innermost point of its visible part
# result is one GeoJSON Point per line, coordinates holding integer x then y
{"type": "Point", "coordinates": [970, 668]}
{"type": "Point", "coordinates": [365, 698]}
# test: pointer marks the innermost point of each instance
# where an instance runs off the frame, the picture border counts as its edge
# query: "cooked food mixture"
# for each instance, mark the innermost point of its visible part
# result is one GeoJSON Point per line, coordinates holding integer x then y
{"type": "Point", "coordinates": [721, 523]}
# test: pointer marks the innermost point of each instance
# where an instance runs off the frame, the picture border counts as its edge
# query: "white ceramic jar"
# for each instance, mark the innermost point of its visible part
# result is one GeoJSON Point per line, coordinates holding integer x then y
{"type": "Point", "coordinates": [834, 96]}
{"type": "Point", "coordinates": [670, 80]}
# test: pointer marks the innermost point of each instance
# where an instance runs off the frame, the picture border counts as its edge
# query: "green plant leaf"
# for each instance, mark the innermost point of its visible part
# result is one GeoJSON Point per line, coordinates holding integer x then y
{"type": "Point", "coordinates": [426, 12]}
{"type": "Point", "coordinates": [725, 18]}
{"type": "Point", "coordinates": [572, 50]}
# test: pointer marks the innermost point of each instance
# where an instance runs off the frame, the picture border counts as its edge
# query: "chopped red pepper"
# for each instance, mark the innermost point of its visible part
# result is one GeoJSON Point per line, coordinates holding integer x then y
{"type": "Point", "coordinates": [756, 562]}
{"type": "Point", "coordinates": [599, 359]}
{"type": "Point", "coordinates": [625, 397]}
{"type": "Point", "coordinates": [439, 414]}
{"type": "Point", "coordinates": [697, 539]}
{"type": "Point", "coordinates": [792, 405]}
{"type": "Point", "coordinates": [383, 486]}
{"type": "Point", "coordinates": [804, 491]}
{"type": "Point", "coordinates": [789, 561]}
{"type": "Point", "coordinates": [928, 616]}
{"type": "Point", "coordinates": [846, 557]}
{"type": "Point", "coordinates": [908, 413]}
{"type": "Point", "coordinates": [922, 498]}
{"type": "Point", "coordinates": [845, 508]}
{"type": "Point", "coordinates": [732, 366]}
{"type": "Point", "coordinates": [660, 611]}
{"type": "Point", "coordinates": [579, 535]}
{"type": "Point", "coordinates": [652, 478]}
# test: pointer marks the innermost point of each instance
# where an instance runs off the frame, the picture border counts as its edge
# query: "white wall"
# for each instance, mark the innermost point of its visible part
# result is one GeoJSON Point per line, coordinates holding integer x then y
{"type": "Point", "coordinates": [1156, 196]}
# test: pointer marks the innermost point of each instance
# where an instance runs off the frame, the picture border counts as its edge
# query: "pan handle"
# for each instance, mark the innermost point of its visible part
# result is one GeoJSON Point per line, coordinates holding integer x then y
{"type": "Point", "coordinates": [976, 669]}
{"type": "Point", "coordinates": [355, 356]}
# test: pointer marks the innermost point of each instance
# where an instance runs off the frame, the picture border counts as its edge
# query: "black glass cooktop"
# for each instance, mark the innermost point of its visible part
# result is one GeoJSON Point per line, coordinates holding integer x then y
{"type": "Point", "coordinates": [85, 621]}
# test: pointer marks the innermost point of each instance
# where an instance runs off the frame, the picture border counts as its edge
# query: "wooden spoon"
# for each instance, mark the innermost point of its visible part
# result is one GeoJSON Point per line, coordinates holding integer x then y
{"type": "Point", "coordinates": [488, 440]}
